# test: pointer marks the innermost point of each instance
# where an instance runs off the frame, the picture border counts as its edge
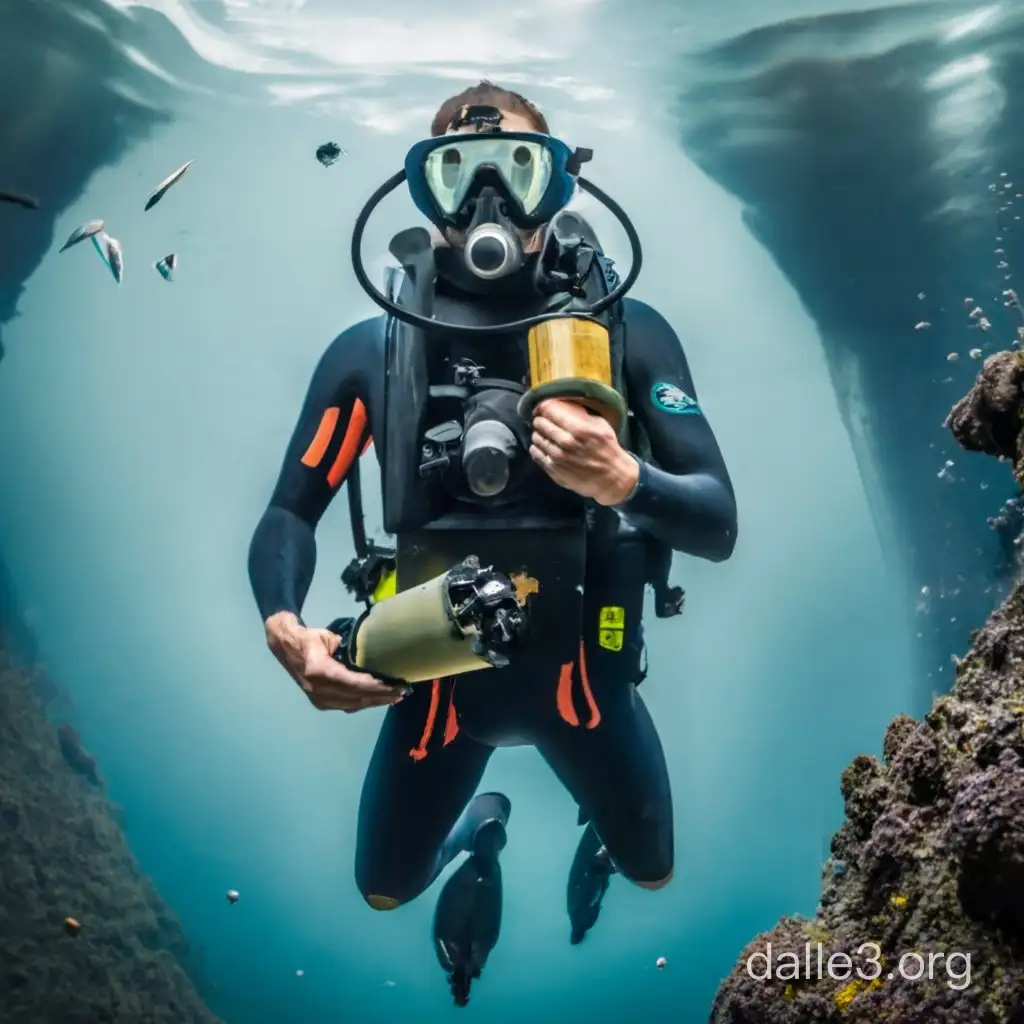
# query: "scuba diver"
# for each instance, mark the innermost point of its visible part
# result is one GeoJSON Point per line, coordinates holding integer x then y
{"type": "Point", "coordinates": [526, 416]}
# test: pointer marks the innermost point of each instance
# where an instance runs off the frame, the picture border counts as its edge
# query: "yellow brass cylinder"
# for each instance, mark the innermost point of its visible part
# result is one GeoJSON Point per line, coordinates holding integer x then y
{"type": "Point", "coordinates": [569, 348]}
{"type": "Point", "coordinates": [571, 359]}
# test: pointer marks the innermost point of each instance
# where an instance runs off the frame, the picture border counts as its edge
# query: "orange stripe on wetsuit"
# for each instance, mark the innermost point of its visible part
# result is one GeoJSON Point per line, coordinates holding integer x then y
{"type": "Point", "coordinates": [352, 444]}
{"type": "Point", "coordinates": [451, 725]}
{"type": "Point", "coordinates": [564, 696]}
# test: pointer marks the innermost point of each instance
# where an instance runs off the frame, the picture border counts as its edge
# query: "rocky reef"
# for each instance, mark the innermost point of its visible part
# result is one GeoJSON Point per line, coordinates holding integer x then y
{"type": "Point", "coordinates": [123, 957]}
{"type": "Point", "coordinates": [921, 918]}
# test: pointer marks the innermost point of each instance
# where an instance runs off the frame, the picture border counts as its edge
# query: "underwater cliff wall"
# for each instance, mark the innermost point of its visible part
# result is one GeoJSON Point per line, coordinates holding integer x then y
{"type": "Point", "coordinates": [71, 101]}
{"type": "Point", "coordinates": [122, 957]}
{"type": "Point", "coordinates": [863, 147]}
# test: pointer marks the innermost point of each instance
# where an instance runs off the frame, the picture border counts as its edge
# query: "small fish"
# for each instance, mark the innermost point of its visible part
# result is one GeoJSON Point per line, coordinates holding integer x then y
{"type": "Point", "coordinates": [166, 267]}
{"type": "Point", "coordinates": [328, 153]}
{"type": "Point", "coordinates": [975, 353]}
{"type": "Point", "coordinates": [161, 190]}
{"type": "Point", "coordinates": [299, 973]}
{"type": "Point", "coordinates": [115, 257]}
{"type": "Point", "coordinates": [19, 199]}
{"type": "Point", "coordinates": [952, 357]}
{"type": "Point", "coordinates": [87, 230]}
{"type": "Point", "coordinates": [110, 251]}
{"type": "Point", "coordinates": [389, 983]}
{"type": "Point", "coordinates": [923, 325]}
{"type": "Point", "coordinates": [231, 896]}
{"type": "Point", "coordinates": [72, 926]}
{"type": "Point", "coordinates": [661, 963]}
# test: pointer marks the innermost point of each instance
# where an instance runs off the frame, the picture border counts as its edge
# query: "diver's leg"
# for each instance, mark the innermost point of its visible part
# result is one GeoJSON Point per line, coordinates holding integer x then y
{"type": "Point", "coordinates": [417, 813]}
{"type": "Point", "coordinates": [617, 774]}
{"type": "Point", "coordinates": [411, 812]}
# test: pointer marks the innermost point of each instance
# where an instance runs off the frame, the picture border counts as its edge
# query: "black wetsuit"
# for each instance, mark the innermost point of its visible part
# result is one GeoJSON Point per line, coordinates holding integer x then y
{"type": "Point", "coordinates": [582, 712]}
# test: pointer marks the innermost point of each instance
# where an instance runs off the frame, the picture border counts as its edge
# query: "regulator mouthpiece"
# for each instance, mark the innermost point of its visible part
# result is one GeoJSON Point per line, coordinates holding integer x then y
{"type": "Point", "coordinates": [491, 251]}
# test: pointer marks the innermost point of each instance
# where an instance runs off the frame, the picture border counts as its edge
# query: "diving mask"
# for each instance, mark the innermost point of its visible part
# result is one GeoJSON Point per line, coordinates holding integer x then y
{"type": "Point", "coordinates": [533, 175]}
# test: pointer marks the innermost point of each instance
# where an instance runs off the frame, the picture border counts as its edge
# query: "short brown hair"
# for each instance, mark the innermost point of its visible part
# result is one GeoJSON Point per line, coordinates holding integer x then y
{"type": "Point", "coordinates": [491, 95]}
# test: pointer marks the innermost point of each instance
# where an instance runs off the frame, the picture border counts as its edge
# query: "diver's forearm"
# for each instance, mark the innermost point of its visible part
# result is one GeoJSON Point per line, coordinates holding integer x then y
{"type": "Point", "coordinates": [282, 559]}
{"type": "Point", "coordinates": [694, 514]}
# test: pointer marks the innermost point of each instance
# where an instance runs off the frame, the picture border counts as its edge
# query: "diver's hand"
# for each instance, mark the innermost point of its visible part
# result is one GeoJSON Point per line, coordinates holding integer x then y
{"type": "Point", "coordinates": [579, 450]}
{"type": "Point", "coordinates": [308, 656]}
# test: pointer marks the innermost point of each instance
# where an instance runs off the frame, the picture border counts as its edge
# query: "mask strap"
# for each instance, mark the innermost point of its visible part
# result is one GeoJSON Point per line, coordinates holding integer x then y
{"type": "Point", "coordinates": [483, 119]}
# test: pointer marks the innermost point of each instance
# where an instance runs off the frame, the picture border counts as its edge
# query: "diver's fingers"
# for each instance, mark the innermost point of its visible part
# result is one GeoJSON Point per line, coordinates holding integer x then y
{"type": "Point", "coordinates": [541, 445]}
{"type": "Point", "coordinates": [550, 467]}
{"type": "Point", "coordinates": [553, 432]}
{"type": "Point", "coordinates": [365, 705]}
{"type": "Point", "coordinates": [555, 457]}
{"type": "Point", "coordinates": [570, 416]}
{"type": "Point", "coordinates": [336, 702]}
{"type": "Point", "coordinates": [322, 670]}
{"type": "Point", "coordinates": [328, 639]}
{"type": "Point", "coordinates": [541, 458]}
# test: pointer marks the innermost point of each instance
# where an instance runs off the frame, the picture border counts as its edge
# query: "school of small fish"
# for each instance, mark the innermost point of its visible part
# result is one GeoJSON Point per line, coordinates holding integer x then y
{"type": "Point", "coordinates": [109, 248]}
{"type": "Point", "coordinates": [106, 245]}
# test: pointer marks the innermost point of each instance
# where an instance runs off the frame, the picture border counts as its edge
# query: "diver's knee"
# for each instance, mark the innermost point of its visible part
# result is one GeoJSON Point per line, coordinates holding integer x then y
{"type": "Point", "coordinates": [376, 902]}
{"type": "Point", "coordinates": [659, 884]}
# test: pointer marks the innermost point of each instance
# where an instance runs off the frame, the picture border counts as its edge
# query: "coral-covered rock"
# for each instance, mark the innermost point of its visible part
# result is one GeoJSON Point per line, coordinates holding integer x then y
{"type": "Point", "coordinates": [922, 904]}
{"type": "Point", "coordinates": [987, 419]}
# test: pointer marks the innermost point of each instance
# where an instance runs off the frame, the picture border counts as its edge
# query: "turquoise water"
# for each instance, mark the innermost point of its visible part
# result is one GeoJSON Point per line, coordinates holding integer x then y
{"type": "Point", "coordinates": [143, 426]}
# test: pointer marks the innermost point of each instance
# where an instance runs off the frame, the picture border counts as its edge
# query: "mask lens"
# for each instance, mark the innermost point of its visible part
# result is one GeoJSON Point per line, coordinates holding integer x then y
{"type": "Point", "coordinates": [451, 168]}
